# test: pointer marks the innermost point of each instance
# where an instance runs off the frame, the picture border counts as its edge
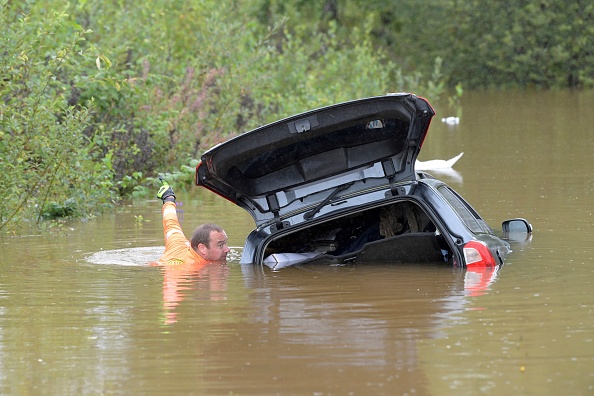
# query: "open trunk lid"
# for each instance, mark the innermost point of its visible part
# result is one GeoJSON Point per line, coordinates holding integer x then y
{"type": "Point", "coordinates": [282, 167]}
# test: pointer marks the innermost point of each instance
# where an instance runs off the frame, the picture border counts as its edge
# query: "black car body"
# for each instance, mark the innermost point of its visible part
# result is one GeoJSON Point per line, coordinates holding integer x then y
{"type": "Point", "coordinates": [338, 185]}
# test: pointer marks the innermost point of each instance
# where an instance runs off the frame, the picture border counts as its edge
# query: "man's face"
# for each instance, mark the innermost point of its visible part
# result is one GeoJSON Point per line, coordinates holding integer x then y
{"type": "Point", "coordinates": [217, 249]}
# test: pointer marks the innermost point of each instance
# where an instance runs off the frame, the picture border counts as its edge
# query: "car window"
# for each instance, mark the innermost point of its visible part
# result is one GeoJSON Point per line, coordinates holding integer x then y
{"type": "Point", "coordinates": [468, 215]}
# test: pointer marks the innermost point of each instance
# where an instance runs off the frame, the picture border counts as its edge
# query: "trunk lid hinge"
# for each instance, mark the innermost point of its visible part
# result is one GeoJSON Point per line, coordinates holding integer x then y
{"type": "Point", "coordinates": [390, 172]}
{"type": "Point", "coordinates": [275, 209]}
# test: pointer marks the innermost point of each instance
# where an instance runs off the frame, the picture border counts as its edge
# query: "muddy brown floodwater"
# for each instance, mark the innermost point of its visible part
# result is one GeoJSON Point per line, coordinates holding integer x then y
{"type": "Point", "coordinates": [81, 312]}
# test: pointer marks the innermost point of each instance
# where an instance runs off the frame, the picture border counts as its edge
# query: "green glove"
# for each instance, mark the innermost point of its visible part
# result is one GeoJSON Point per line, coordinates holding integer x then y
{"type": "Point", "coordinates": [165, 192]}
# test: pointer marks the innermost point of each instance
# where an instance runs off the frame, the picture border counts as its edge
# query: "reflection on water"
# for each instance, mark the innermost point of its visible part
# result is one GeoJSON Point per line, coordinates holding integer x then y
{"type": "Point", "coordinates": [478, 280]}
{"type": "Point", "coordinates": [346, 323]}
{"type": "Point", "coordinates": [177, 279]}
{"type": "Point", "coordinates": [82, 312]}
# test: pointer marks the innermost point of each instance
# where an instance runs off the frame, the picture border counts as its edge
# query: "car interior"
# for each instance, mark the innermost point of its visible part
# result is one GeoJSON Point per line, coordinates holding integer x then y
{"type": "Point", "coordinates": [395, 233]}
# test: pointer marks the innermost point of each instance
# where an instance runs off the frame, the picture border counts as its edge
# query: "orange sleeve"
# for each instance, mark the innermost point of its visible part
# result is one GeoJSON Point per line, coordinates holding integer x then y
{"type": "Point", "coordinates": [176, 244]}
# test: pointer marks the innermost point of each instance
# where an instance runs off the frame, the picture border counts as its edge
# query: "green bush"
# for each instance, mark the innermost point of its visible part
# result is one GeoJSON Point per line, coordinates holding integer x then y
{"type": "Point", "coordinates": [47, 158]}
{"type": "Point", "coordinates": [523, 44]}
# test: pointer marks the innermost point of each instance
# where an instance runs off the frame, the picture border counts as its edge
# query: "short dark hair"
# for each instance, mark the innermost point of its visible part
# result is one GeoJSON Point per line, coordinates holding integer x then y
{"type": "Point", "coordinates": [201, 235]}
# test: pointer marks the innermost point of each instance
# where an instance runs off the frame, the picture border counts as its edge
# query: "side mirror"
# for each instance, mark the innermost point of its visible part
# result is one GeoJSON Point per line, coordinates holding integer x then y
{"type": "Point", "coordinates": [517, 230]}
{"type": "Point", "coordinates": [516, 225]}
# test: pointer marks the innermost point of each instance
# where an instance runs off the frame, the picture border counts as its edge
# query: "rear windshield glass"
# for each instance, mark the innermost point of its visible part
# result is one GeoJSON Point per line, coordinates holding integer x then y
{"type": "Point", "coordinates": [472, 220]}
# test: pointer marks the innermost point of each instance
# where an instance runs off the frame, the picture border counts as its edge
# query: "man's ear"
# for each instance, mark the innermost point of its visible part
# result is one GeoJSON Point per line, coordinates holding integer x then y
{"type": "Point", "coordinates": [202, 249]}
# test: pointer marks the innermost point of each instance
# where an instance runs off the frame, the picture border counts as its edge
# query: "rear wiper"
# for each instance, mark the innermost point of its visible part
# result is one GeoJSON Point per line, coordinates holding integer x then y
{"type": "Point", "coordinates": [311, 213]}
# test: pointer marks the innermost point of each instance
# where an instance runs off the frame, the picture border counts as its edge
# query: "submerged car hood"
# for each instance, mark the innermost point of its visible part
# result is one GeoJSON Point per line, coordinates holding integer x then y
{"type": "Point", "coordinates": [295, 163]}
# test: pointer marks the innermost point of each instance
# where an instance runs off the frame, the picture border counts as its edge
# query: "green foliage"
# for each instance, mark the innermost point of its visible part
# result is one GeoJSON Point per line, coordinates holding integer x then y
{"type": "Point", "coordinates": [47, 160]}
{"type": "Point", "coordinates": [337, 68]}
{"type": "Point", "coordinates": [518, 43]}
{"type": "Point", "coordinates": [186, 72]}
{"type": "Point", "coordinates": [522, 44]}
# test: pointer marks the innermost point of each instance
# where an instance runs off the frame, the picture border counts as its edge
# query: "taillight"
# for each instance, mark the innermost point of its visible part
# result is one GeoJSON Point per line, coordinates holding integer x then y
{"type": "Point", "coordinates": [477, 254]}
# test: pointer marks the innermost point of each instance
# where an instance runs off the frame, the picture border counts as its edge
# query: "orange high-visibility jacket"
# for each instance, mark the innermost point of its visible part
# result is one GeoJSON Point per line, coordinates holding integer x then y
{"type": "Point", "coordinates": [177, 246]}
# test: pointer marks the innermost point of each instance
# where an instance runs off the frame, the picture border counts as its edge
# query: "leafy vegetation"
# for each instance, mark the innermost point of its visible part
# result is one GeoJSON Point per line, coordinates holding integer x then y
{"type": "Point", "coordinates": [518, 43]}
{"type": "Point", "coordinates": [46, 150]}
{"type": "Point", "coordinates": [546, 44]}
{"type": "Point", "coordinates": [99, 97]}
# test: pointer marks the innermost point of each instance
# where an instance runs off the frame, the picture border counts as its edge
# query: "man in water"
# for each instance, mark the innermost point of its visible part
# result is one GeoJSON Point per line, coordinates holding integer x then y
{"type": "Point", "coordinates": [208, 242]}
{"type": "Point", "coordinates": [190, 262]}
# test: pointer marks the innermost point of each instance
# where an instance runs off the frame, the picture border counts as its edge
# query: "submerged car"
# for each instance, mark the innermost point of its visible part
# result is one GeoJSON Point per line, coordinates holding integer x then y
{"type": "Point", "coordinates": [337, 185]}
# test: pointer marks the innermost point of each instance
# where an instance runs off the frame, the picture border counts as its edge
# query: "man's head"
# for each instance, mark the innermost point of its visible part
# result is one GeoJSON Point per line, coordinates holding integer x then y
{"type": "Point", "coordinates": [210, 242]}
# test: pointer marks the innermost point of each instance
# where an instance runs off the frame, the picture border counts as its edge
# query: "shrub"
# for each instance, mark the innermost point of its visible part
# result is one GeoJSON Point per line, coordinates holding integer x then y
{"type": "Point", "coordinates": [47, 160]}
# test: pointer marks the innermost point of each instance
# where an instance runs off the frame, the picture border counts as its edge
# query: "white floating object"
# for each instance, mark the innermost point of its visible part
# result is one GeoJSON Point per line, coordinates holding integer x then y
{"type": "Point", "coordinates": [437, 164]}
{"type": "Point", "coordinates": [451, 120]}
